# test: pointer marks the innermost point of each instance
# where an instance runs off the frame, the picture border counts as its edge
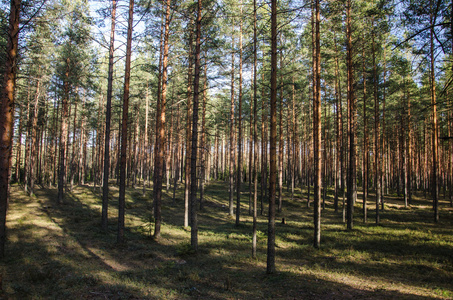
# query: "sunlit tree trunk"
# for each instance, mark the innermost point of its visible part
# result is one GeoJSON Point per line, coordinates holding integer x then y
{"type": "Point", "coordinates": [6, 115]}
{"type": "Point", "coordinates": [377, 158]}
{"type": "Point", "coordinates": [33, 141]}
{"type": "Point", "coordinates": [232, 160]}
{"type": "Point", "coordinates": [161, 134]}
{"type": "Point", "coordinates": [108, 113]}
{"type": "Point", "coordinates": [188, 130]}
{"type": "Point", "coordinates": [203, 145]}
{"type": "Point", "coordinates": [435, 189]}
{"type": "Point", "coordinates": [63, 136]}
{"type": "Point", "coordinates": [127, 77]}
{"type": "Point", "coordinates": [365, 153]}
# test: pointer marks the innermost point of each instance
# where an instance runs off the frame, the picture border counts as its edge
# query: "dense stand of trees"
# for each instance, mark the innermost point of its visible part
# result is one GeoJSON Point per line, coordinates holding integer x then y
{"type": "Point", "coordinates": [316, 96]}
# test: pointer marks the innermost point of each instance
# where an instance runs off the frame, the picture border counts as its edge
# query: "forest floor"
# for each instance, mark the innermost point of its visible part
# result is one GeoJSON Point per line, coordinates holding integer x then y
{"type": "Point", "coordinates": [60, 252]}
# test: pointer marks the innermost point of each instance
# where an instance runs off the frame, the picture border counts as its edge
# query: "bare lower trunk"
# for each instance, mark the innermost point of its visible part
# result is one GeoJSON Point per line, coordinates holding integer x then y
{"type": "Point", "coordinates": [273, 143]}
{"type": "Point", "coordinates": [6, 115]}
{"type": "Point", "coordinates": [122, 191]}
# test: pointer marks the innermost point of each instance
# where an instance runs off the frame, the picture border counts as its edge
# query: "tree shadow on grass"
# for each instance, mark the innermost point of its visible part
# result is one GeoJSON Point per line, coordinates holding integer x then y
{"type": "Point", "coordinates": [74, 258]}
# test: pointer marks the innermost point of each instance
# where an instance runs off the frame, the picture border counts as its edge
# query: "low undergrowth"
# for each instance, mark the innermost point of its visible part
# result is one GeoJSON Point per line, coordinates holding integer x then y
{"type": "Point", "coordinates": [59, 251]}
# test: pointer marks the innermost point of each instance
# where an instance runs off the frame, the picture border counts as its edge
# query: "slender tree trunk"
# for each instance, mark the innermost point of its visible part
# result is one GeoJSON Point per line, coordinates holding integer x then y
{"type": "Point", "coordinates": [232, 160]}
{"type": "Point", "coordinates": [317, 130]}
{"type": "Point", "coordinates": [108, 113]}
{"type": "Point", "coordinates": [145, 159]}
{"type": "Point", "coordinates": [193, 158]}
{"type": "Point", "coordinates": [365, 140]}
{"type": "Point", "coordinates": [203, 145]}
{"type": "Point", "coordinates": [81, 163]}
{"type": "Point", "coordinates": [339, 128]}
{"type": "Point", "coordinates": [178, 155]}
{"type": "Point", "coordinates": [377, 158]}
{"type": "Point", "coordinates": [188, 131]}
{"type": "Point", "coordinates": [280, 139]}
{"type": "Point", "coordinates": [34, 138]}
{"type": "Point", "coordinates": [6, 115]}
{"type": "Point", "coordinates": [161, 134]}
{"type": "Point", "coordinates": [255, 135]}
{"type": "Point", "coordinates": [409, 149]}
{"type": "Point", "coordinates": [380, 171]}
{"type": "Point", "coordinates": [273, 143]}
{"type": "Point", "coordinates": [19, 146]}
{"type": "Point", "coordinates": [74, 133]}
{"type": "Point", "coordinates": [63, 136]}
{"type": "Point", "coordinates": [435, 189]}
{"type": "Point", "coordinates": [351, 117]}
{"type": "Point", "coordinates": [264, 152]}
{"type": "Point", "coordinates": [239, 149]}
{"type": "Point", "coordinates": [127, 76]}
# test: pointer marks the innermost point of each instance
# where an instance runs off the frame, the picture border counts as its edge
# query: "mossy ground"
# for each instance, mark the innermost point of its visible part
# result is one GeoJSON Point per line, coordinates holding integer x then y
{"type": "Point", "coordinates": [60, 251]}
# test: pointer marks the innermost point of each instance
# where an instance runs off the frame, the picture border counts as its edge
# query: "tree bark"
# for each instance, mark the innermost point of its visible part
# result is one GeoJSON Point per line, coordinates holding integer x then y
{"type": "Point", "coordinates": [351, 116]}
{"type": "Point", "coordinates": [239, 148]}
{"type": "Point", "coordinates": [161, 133]}
{"type": "Point", "coordinates": [232, 161]}
{"type": "Point", "coordinates": [377, 159]}
{"type": "Point", "coordinates": [317, 130]}
{"type": "Point", "coordinates": [63, 136]}
{"type": "Point", "coordinates": [255, 135]}
{"type": "Point", "coordinates": [34, 137]}
{"type": "Point", "coordinates": [6, 115]}
{"type": "Point", "coordinates": [188, 131]}
{"type": "Point", "coordinates": [365, 153]}
{"type": "Point", "coordinates": [127, 77]}
{"type": "Point", "coordinates": [435, 189]}
{"type": "Point", "coordinates": [273, 144]}
{"type": "Point", "coordinates": [193, 158]}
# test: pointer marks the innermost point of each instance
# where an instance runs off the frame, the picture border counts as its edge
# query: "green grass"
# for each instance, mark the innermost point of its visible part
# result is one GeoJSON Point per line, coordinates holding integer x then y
{"type": "Point", "coordinates": [60, 252]}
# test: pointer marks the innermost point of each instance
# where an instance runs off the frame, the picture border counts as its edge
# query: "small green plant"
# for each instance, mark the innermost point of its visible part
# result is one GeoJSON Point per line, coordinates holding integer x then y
{"type": "Point", "coordinates": [184, 249]}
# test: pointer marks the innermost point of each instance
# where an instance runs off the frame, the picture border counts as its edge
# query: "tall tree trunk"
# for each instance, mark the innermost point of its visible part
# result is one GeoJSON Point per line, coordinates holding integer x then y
{"type": "Point", "coordinates": [255, 135]}
{"type": "Point", "coordinates": [264, 148]}
{"type": "Point", "coordinates": [409, 149]}
{"type": "Point", "coordinates": [239, 149]}
{"type": "Point", "coordinates": [365, 157]}
{"type": "Point", "coordinates": [273, 143]}
{"type": "Point", "coordinates": [203, 145]}
{"type": "Point", "coordinates": [108, 114]}
{"type": "Point", "coordinates": [339, 143]}
{"type": "Point", "coordinates": [380, 172]}
{"type": "Point", "coordinates": [161, 134]}
{"type": "Point", "coordinates": [19, 146]}
{"type": "Point", "coordinates": [82, 157]}
{"type": "Point", "coordinates": [146, 156]}
{"type": "Point", "coordinates": [351, 116]}
{"type": "Point", "coordinates": [6, 115]}
{"type": "Point", "coordinates": [377, 145]}
{"type": "Point", "coordinates": [280, 139]}
{"type": "Point", "coordinates": [63, 136]}
{"type": "Point", "coordinates": [317, 130]}
{"type": "Point", "coordinates": [34, 137]}
{"type": "Point", "coordinates": [127, 77]}
{"type": "Point", "coordinates": [74, 133]}
{"type": "Point", "coordinates": [188, 130]}
{"type": "Point", "coordinates": [231, 166]}
{"type": "Point", "coordinates": [435, 189]}
{"type": "Point", "coordinates": [193, 158]}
